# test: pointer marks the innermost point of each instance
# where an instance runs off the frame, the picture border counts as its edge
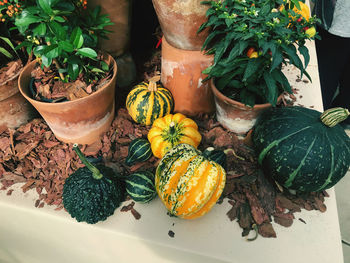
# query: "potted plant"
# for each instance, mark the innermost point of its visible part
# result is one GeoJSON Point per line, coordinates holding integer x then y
{"type": "Point", "coordinates": [70, 83]}
{"type": "Point", "coordinates": [14, 109]}
{"type": "Point", "coordinates": [251, 41]}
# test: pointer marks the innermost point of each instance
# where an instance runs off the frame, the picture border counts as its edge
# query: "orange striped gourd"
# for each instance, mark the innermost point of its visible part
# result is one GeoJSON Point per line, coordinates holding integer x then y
{"type": "Point", "coordinates": [188, 184]}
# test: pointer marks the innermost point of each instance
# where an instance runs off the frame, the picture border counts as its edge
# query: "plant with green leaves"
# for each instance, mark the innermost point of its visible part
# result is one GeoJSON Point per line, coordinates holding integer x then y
{"type": "Point", "coordinates": [64, 35]}
{"type": "Point", "coordinates": [251, 41]}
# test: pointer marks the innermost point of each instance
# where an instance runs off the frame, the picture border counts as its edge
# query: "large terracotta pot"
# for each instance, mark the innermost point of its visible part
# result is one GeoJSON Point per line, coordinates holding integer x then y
{"type": "Point", "coordinates": [180, 21]}
{"type": "Point", "coordinates": [234, 115]}
{"type": "Point", "coordinates": [79, 121]}
{"type": "Point", "coordinates": [181, 73]}
{"type": "Point", "coordinates": [15, 110]}
{"type": "Point", "coordinates": [119, 11]}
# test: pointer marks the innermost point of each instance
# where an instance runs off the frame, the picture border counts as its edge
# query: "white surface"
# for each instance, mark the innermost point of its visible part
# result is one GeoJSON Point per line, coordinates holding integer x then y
{"type": "Point", "coordinates": [30, 235]}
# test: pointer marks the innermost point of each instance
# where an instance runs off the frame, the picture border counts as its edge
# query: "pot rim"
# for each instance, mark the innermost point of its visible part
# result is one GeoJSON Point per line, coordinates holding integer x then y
{"type": "Point", "coordinates": [222, 97]}
{"type": "Point", "coordinates": [108, 57]}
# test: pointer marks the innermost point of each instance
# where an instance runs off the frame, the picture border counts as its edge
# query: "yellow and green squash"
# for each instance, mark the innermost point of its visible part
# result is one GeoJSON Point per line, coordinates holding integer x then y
{"type": "Point", "coordinates": [171, 130]}
{"type": "Point", "coordinates": [188, 184]}
{"type": "Point", "coordinates": [148, 101]}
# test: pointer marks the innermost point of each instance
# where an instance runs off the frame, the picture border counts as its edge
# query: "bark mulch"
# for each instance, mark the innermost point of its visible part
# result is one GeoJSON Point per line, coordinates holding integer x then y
{"type": "Point", "coordinates": [32, 155]}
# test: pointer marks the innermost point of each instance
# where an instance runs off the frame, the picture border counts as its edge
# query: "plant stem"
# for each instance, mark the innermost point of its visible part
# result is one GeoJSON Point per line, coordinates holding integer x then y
{"type": "Point", "coordinates": [57, 64]}
{"type": "Point", "coordinates": [95, 172]}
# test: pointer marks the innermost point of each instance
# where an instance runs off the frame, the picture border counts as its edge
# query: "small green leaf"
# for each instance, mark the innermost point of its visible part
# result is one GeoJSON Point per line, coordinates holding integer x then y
{"type": "Point", "coordinates": [59, 19]}
{"type": "Point", "coordinates": [5, 52]}
{"type": "Point", "coordinates": [40, 30]}
{"type": "Point", "coordinates": [305, 52]}
{"type": "Point", "coordinates": [87, 52]}
{"type": "Point", "coordinates": [46, 61]}
{"type": "Point", "coordinates": [51, 51]}
{"type": "Point", "coordinates": [97, 70]}
{"type": "Point", "coordinates": [252, 68]}
{"type": "Point", "coordinates": [45, 5]}
{"type": "Point", "coordinates": [73, 71]}
{"type": "Point", "coordinates": [57, 30]}
{"type": "Point", "coordinates": [76, 38]}
{"type": "Point", "coordinates": [104, 66]}
{"type": "Point", "coordinates": [66, 46]}
{"type": "Point", "coordinates": [272, 88]}
{"type": "Point", "coordinates": [277, 59]}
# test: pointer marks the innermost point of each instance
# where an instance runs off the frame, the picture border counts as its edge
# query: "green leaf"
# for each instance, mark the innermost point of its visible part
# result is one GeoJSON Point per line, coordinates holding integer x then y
{"type": "Point", "coordinates": [45, 5]}
{"type": "Point", "coordinates": [104, 66]}
{"type": "Point", "coordinates": [73, 71]}
{"type": "Point", "coordinates": [59, 19]}
{"type": "Point", "coordinates": [293, 57]}
{"type": "Point", "coordinates": [97, 70]}
{"type": "Point", "coordinates": [66, 46]}
{"type": "Point", "coordinates": [8, 42]}
{"type": "Point", "coordinates": [39, 50]}
{"type": "Point", "coordinates": [5, 52]}
{"type": "Point", "coordinates": [253, 67]}
{"type": "Point", "coordinates": [51, 51]}
{"type": "Point", "coordinates": [76, 38]}
{"type": "Point", "coordinates": [40, 30]}
{"type": "Point", "coordinates": [281, 78]}
{"type": "Point", "coordinates": [58, 30]}
{"type": "Point", "coordinates": [25, 20]}
{"type": "Point", "coordinates": [87, 52]}
{"type": "Point", "coordinates": [247, 97]}
{"type": "Point", "coordinates": [305, 52]}
{"type": "Point", "coordinates": [277, 59]}
{"type": "Point", "coordinates": [46, 61]}
{"type": "Point", "coordinates": [296, 3]}
{"type": "Point", "coordinates": [272, 88]}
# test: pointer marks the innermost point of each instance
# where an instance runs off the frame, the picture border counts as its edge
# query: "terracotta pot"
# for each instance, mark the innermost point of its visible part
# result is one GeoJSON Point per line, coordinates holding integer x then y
{"type": "Point", "coordinates": [180, 21]}
{"type": "Point", "coordinates": [15, 110]}
{"type": "Point", "coordinates": [119, 12]}
{"type": "Point", "coordinates": [182, 75]}
{"type": "Point", "coordinates": [234, 115]}
{"type": "Point", "coordinates": [79, 121]}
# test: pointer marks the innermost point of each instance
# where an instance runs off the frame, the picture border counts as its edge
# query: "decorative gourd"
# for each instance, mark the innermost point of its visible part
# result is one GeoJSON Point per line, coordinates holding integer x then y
{"type": "Point", "coordinates": [188, 183]}
{"type": "Point", "coordinates": [92, 193]}
{"type": "Point", "coordinates": [139, 151]}
{"type": "Point", "coordinates": [171, 130]}
{"type": "Point", "coordinates": [140, 186]}
{"type": "Point", "coordinates": [148, 101]}
{"type": "Point", "coordinates": [217, 156]}
{"type": "Point", "coordinates": [299, 151]}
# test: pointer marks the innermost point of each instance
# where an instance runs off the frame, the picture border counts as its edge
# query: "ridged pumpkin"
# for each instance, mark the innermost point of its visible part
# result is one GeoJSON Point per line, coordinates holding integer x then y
{"type": "Point", "coordinates": [148, 101]}
{"type": "Point", "coordinates": [188, 183]}
{"type": "Point", "coordinates": [300, 151]}
{"type": "Point", "coordinates": [171, 130]}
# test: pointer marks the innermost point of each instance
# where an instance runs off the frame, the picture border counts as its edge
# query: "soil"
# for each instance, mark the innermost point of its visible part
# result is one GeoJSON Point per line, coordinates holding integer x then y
{"type": "Point", "coordinates": [47, 86]}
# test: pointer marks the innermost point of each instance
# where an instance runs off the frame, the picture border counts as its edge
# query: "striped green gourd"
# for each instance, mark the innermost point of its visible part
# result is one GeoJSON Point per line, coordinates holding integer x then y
{"type": "Point", "coordinates": [140, 186]}
{"type": "Point", "coordinates": [147, 102]}
{"type": "Point", "coordinates": [139, 151]}
{"type": "Point", "coordinates": [299, 151]}
{"type": "Point", "coordinates": [332, 117]}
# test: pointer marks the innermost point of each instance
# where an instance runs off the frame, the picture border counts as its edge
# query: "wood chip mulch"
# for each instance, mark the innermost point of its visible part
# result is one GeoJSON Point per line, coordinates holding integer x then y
{"type": "Point", "coordinates": [32, 155]}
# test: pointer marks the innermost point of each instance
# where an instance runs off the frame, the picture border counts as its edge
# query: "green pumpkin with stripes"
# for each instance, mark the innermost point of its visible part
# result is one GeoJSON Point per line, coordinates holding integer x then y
{"type": "Point", "coordinates": [301, 148]}
{"type": "Point", "coordinates": [140, 186]}
{"type": "Point", "coordinates": [147, 102]}
{"type": "Point", "coordinates": [139, 151]}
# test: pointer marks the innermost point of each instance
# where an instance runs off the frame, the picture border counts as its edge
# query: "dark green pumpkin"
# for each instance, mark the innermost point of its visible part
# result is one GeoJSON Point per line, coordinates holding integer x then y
{"type": "Point", "coordinates": [92, 193]}
{"type": "Point", "coordinates": [139, 151]}
{"type": "Point", "coordinates": [140, 186]}
{"type": "Point", "coordinates": [299, 151]}
{"type": "Point", "coordinates": [217, 156]}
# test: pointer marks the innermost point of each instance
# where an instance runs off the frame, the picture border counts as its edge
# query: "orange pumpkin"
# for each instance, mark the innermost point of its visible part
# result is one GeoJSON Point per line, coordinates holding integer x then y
{"type": "Point", "coordinates": [170, 130]}
{"type": "Point", "coordinates": [188, 184]}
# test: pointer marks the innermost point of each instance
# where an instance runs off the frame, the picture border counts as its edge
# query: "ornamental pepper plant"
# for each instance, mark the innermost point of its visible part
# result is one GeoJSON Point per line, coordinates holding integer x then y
{"type": "Point", "coordinates": [251, 41]}
{"type": "Point", "coordinates": [63, 35]}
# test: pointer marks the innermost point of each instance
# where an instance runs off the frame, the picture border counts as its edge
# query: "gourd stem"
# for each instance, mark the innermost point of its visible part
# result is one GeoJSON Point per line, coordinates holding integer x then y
{"type": "Point", "coordinates": [172, 128]}
{"type": "Point", "coordinates": [152, 83]}
{"type": "Point", "coordinates": [255, 227]}
{"type": "Point", "coordinates": [234, 154]}
{"type": "Point", "coordinates": [95, 172]}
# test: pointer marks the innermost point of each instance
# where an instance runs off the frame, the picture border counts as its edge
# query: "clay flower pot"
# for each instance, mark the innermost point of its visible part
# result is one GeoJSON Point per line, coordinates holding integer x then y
{"type": "Point", "coordinates": [15, 110]}
{"type": "Point", "coordinates": [234, 115]}
{"type": "Point", "coordinates": [79, 121]}
{"type": "Point", "coordinates": [181, 73]}
{"type": "Point", "coordinates": [180, 21]}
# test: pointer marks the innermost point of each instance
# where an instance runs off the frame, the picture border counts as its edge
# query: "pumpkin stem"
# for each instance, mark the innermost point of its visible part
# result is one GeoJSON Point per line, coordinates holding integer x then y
{"type": "Point", "coordinates": [255, 227]}
{"type": "Point", "coordinates": [333, 116]}
{"type": "Point", "coordinates": [152, 83]}
{"type": "Point", "coordinates": [172, 128]}
{"type": "Point", "coordinates": [95, 172]}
